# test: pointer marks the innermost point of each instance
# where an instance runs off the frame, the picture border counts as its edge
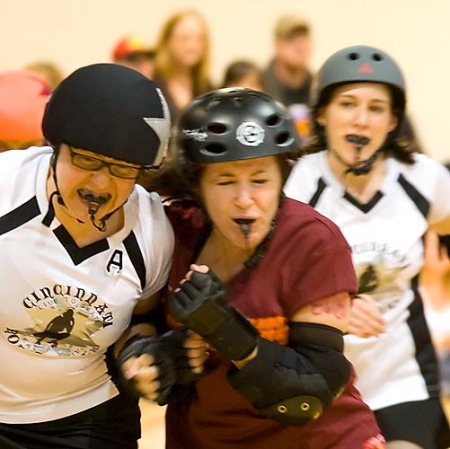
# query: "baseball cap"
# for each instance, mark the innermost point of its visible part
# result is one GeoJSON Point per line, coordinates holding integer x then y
{"type": "Point", "coordinates": [130, 45]}
{"type": "Point", "coordinates": [288, 25]}
{"type": "Point", "coordinates": [23, 97]}
{"type": "Point", "coordinates": [111, 110]}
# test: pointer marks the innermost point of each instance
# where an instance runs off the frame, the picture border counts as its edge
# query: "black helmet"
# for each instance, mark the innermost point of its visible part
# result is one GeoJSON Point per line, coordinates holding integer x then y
{"type": "Point", "coordinates": [231, 124]}
{"type": "Point", "coordinates": [111, 110]}
{"type": "Point", "coordinates": [360, 63]}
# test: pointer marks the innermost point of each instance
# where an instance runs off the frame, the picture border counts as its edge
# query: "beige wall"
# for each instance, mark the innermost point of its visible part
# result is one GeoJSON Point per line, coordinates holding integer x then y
{"type": "Point", "coordinates": [416, 33]}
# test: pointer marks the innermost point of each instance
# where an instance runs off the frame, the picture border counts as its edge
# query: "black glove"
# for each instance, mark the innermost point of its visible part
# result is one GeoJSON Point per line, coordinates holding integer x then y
{"type": "Point", "coordinates": [171, 359]}
{"type": "Point", "coordinates": [201, 305]}
{"type": "Point", "coordinates": [172, 342]}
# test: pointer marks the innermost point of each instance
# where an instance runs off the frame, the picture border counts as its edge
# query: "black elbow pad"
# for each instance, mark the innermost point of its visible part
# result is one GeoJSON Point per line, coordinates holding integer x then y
{"type": "Point", "coordinates": [294, 385]}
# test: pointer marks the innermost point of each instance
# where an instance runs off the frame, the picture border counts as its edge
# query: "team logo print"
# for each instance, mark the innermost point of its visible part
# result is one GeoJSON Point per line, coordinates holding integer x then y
{"type": "Point", "coordinates": [195, 134]}
{"type": "Point", "coordinates": [115, 263]}
{"type": "Point", "coordinates": [250, 134]}
{"type": "Point", "coordinates": [365, 68]}
{"type": "Point", "coordinates": [65, 320]}
{"type": "Point", "coordinates": [161, 126]}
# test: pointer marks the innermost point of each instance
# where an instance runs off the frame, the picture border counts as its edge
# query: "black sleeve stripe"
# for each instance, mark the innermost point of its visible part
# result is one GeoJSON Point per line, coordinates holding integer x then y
{"type": "Point", "coordinates": [317, 194]}
{"type": "Point", "coordinates": [135, 254]}
{"type": "Point", "coordinates": [19, 216]}
{"type": "Point", "coordinates": [417, 198]}
{"type": "Point", "coordinates": [425, 354]}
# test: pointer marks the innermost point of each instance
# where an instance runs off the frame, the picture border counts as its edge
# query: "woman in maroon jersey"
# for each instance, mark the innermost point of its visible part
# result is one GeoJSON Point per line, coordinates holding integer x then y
{"type": "Point", "coordinates": [268, 287]}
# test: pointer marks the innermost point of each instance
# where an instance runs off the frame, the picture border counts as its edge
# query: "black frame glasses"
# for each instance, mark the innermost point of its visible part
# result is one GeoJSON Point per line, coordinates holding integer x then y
{"type": "Point", "coordinates": [93, 164]}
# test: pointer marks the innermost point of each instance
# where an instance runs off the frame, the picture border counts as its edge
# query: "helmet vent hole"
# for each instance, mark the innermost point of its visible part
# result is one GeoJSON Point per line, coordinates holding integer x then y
{"type": "Point", "coordinates": [377, 57]}
{"type": "Point", "coordinates": [283, 138]}
{"type": "Point", "coordinates": [216, 149]}
{"type": "Point", "coordinates": [212, 104]}
{"type": "Point", "coordinates": [353, 56]}
{"type": "Point", "coordinates": [238, 101]}
{"type": "Point", "coordinates": [217, 128]}
{"type": "Point", "coordinates": [273, 120]}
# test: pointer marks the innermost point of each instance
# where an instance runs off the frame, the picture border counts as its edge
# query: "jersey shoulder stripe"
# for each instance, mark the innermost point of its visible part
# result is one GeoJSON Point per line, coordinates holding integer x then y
{"type": "Point", "coordinates": [417, 198]}
{"type": "Point", "coordinates": [134, 252]}
{"type": "Point", "coordinates": [19, 216]}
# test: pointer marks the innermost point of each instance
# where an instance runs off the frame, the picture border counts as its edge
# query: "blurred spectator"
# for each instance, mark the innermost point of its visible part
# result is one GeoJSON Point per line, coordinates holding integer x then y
{"type": "Point", "coordinates": [50, 72]}
{"type": "Point", "coordinates": [435, 289]}
{"type": "Point", "coordinates": [243, 73]}
{"type": "Point", "coordinates": [23, 96]}
{"type": "Point", "coordinates": [133, 52]}
{"type": "Point", "coordinates": [435, 285]}
{"type": "Point", "coordinates": [288, 77]}
{"type": "Point", "coordinates": [182, 59]}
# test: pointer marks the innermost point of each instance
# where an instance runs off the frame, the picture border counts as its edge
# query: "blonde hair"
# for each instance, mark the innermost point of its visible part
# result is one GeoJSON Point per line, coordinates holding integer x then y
{"type": "Point", "coordinates": [163, 64]}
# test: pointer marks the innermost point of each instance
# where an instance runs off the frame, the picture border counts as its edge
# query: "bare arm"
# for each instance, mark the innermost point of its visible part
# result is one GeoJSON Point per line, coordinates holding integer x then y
{"type": "Point", "coordinates": [332, 311]}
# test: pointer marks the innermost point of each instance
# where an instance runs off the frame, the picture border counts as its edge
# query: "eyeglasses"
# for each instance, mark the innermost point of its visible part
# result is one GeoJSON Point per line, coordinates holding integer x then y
{"type": "Point", "coordinates": [93, 164]}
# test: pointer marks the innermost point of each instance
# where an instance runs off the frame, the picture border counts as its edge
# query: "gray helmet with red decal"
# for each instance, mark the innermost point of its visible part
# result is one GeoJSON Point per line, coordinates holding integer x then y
{"type": "Point", "coordinates": [356, 64]}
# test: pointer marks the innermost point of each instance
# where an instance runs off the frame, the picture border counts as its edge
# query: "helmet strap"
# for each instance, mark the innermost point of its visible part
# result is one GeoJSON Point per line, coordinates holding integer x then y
{"type": "Point", "coordinates": [92, 208]}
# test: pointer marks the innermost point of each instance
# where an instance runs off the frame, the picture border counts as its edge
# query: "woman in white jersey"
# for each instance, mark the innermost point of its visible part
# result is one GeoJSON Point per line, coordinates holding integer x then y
{"type": "Point", "coordinates": [82, 248]}
{"type": "Point", "coordinates": [384, 196]}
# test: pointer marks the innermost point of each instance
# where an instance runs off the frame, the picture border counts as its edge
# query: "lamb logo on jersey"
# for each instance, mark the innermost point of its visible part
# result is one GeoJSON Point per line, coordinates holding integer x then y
{"type": "Point", "coordinates": [65, 320]}
{"type": "Point", "coordinates": [378, 267]}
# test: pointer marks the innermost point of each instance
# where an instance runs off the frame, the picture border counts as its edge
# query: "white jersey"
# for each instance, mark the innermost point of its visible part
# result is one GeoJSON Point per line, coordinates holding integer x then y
{"type": "Point", "coordinates": [386, 236]}
{"type": "Point", "coordinates": [62, 306]}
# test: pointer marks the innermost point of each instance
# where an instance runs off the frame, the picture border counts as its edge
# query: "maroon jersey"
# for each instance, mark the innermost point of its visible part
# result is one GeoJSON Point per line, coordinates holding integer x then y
{"type": "Point", "coordinates": [305, 258]}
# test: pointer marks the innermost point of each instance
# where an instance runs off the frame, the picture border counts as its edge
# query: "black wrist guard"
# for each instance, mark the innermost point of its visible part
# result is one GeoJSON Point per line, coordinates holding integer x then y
{"type": "Point", "coordinates": [201, 305]}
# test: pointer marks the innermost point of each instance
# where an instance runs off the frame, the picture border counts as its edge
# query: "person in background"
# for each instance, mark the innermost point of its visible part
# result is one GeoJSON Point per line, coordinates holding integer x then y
{"type": "Point", "coordinates": [132, 51]}
{"type": "Point", "coordinates": [265, 280]}
{"type": "Point", "coordinates": [384, 196]}
{"type": "Point", "coordinates": [243, 73]}
{"type": "Point", "coordinates": [435, 290]}
{"type": "Point", "coordinates": [23, 96]}
{"type": "Point", "coordinates": [182, 59]}
{"type": "Point", "coordinates": [83, 250]}
{"type": "Point", "coordinates": [288, 77]}
{"type": "Point", "coordinates": [51, 73]}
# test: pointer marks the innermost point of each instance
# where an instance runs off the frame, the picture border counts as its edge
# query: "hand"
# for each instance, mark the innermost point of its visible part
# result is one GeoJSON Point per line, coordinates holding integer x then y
{"type": "Point", "coordinates": [189, 352]}
{"type": "Point", "coordinates": [142, 376]}
{"type": "Point", "coordinates": [153, 367]}
{"type": "Point", "coordinates": [365, 318]}
{"type": "Point", "coordinates": [147, 369]}
{"type": "Point", "coordinates": [201, 305]}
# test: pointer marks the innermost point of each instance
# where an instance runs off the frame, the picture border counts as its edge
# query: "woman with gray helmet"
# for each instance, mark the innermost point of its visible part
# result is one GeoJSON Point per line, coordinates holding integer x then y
{"type": "Point", "coordinates": [265, 280]}
{"type": "Point", "coordinates": [384, 197]}
{"type": "Point", "coordinates": [81, 247]}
